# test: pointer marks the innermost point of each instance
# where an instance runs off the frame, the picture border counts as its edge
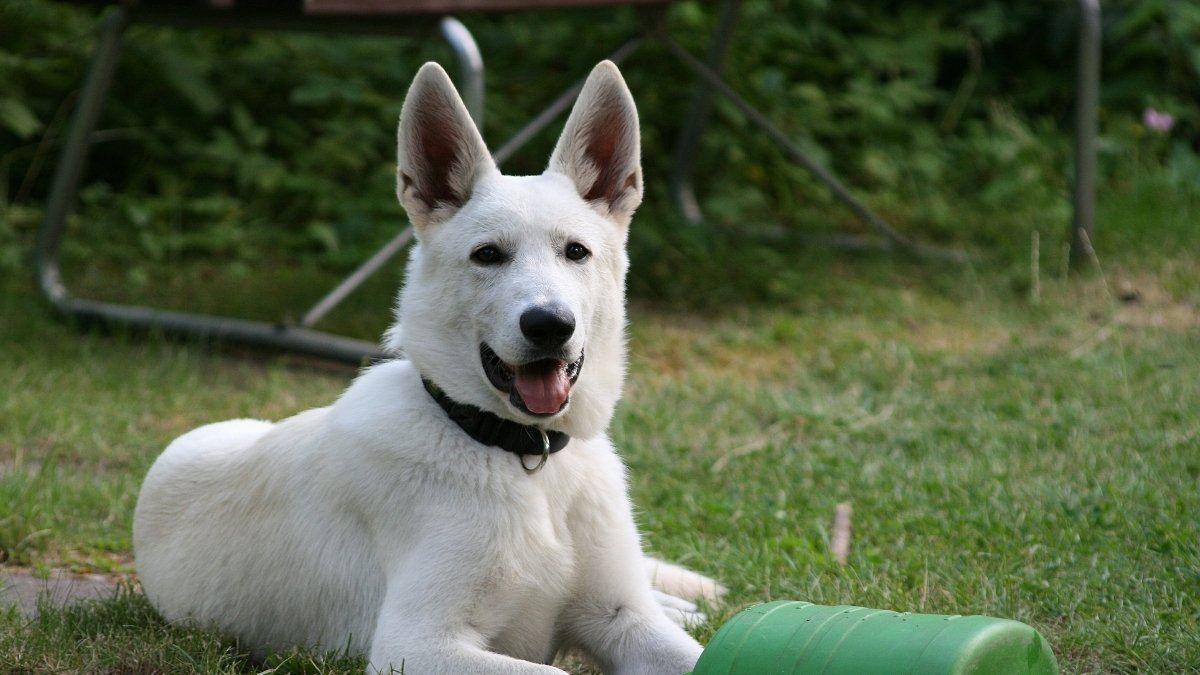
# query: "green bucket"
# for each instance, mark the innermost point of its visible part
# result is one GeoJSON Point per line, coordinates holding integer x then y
{"type": "Point", "coordinates": [803, 638]}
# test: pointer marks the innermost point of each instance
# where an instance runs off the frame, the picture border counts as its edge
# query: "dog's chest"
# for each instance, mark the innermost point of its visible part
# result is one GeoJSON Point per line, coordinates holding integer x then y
{"type": "Point", "coordinates": [532, 575]}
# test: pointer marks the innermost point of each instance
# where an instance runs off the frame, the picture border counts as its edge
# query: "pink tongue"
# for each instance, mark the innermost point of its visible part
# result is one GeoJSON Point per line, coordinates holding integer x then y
{"type": "Point", "coordinates": [543, 386]}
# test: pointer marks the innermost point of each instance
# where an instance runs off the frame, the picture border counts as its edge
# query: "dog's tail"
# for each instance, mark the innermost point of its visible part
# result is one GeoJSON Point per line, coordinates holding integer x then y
{"type": "Point", "coordinates": [682, 583]}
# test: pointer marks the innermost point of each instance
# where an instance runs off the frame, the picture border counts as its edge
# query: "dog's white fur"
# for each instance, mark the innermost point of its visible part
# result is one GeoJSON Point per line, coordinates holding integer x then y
{"type": "Point", "coordinates": [378, 525]}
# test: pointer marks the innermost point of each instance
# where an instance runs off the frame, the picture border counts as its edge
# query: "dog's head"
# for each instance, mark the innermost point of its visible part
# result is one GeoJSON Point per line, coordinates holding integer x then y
{"type": "Point", "coordinates": [515, 292]}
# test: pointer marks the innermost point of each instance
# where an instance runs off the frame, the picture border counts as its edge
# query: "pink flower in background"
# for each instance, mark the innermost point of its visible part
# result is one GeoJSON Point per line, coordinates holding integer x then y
{"type": "Point", "coordinates": [1158, 121]}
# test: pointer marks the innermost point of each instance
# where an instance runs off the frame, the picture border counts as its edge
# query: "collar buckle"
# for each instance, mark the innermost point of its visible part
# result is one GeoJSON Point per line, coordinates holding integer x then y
{"type": "Point", "coordinates": [545, 455]}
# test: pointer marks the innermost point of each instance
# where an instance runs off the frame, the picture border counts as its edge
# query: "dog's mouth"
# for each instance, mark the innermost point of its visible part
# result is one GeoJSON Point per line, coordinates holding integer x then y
{"type": "Point", "coordinates": [541, 387]}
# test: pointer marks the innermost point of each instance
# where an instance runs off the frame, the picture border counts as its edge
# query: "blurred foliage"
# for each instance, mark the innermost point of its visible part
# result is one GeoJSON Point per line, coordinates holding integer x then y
{"type": "Point", "coordinates": [952, 119]}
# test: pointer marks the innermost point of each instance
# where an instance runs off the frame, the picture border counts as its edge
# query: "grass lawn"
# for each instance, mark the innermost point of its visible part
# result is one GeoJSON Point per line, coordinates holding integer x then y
{"type": "Point", "coordinates": [1039, 461]}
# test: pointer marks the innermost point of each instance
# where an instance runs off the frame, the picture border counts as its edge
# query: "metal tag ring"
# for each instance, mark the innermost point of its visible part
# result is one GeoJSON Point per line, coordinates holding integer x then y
{"type": "Point", "coordinates": [545, 455]}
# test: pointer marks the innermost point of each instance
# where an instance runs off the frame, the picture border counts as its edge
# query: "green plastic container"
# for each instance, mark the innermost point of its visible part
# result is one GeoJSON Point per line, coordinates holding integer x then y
{"type": "Point", "coordinates": [803, 638]}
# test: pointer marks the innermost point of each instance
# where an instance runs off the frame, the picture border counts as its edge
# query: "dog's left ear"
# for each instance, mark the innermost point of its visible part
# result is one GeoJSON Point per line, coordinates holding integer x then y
{"type": "Point", "coordinates": [600, 147]}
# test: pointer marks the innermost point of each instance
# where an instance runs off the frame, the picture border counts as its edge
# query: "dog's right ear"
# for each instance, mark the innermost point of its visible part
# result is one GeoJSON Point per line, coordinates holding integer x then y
{"type": "Point", "coordinates": [440, 154]}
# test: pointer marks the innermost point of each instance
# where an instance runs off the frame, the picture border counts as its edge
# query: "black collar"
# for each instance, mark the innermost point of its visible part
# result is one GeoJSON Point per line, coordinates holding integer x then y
{"type": "Point", "coordinates": [490, 429]}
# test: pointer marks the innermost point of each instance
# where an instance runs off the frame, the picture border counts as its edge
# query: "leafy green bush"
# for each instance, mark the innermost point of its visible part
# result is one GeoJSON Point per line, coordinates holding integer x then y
{"type": "Point", "coordinates": [951, 119]}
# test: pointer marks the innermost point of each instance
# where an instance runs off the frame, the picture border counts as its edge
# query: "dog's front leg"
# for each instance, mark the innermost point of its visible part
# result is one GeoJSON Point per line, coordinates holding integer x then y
{"type": "Point", "coordinates": [425, 625]}
{"type": "Point", "coordinates": [403, 652]}
{"type": "Point", "coordinates": [615, 616]}
{"type": "Point", "coordinates": [634, 638]}
{"type": "Point", "coordinates": [405, 643]}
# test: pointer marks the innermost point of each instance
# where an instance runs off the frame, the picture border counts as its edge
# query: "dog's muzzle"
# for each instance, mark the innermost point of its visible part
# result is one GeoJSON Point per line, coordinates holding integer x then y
{"type": "Point", "coordinates": [540, 388]}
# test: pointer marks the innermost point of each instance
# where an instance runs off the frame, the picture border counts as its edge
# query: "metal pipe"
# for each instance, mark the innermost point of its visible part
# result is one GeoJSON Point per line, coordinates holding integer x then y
{"type": "Point", "coordinates": [470, 66]}
{"type": "Point", "coordinates": [73, 158]}
{"type": "Point", "coordinates": [699, 110]}
{"type": "Point", "coordinates": [356, 278]}
{"type": "Point", "coordinates": [1087, 98]}
{"type": "Point", "coordinates": [243, 331]}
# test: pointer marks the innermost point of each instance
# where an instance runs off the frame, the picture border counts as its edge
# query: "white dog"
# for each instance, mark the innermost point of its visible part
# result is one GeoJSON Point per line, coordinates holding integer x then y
{"type": "Point", "coordinates": [428, 519]}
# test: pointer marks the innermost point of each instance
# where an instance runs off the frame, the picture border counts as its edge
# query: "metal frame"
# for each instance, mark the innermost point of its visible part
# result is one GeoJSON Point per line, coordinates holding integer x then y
{"type": "Point", "coordinates": [302, 338]}
{"type": "Point", "coordinates": [699, 110]}
{"type": "Point", "coordinates": [279, 335]}
{"type": "Point", "coordinates": [1087, 101]}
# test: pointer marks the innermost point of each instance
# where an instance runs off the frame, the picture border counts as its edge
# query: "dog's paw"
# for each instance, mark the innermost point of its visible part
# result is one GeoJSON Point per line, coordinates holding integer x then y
{"type": "Point", "coordinates": [680, 611]}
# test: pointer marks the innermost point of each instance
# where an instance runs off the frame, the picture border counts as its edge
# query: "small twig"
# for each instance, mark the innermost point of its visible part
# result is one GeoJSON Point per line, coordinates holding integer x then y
{"type": "Point", "coordinates": [839, 544]}
{"type": "Point", "coordinates": [1101, 335]}
{"type": "Point", "coordinates": [925, 588]}
{"type": "Point", "coordinates": [1115, 307]}
{"type": "Point", "coordinates": [966, 87]}
{"type": "Point", "coordinates": [1184, 438]}
{"type": "Point", "coordinates": [1035, 275]}
{"type": "Point", "coordinates": [38, 151]}
{"type": "Point", "coordinates": [1087, 244]}
{"type": "Point", "coordinates": [746, 448]}
{"type": "Point", "coordinates": [884, 414]}
{"type": "Point", "coordinates": [60, 117]}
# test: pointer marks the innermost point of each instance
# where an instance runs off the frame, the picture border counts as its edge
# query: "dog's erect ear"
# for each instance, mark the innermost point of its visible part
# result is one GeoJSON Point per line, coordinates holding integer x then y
{"type": "Point", "coordinates": [440, 153]}
{"type": "Point", "coordinates": [600, 148]}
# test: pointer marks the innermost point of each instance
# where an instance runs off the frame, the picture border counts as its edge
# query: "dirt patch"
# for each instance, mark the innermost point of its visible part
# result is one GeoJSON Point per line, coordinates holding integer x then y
{"type": "Point", "coordinates": [20, 587]}
{"type": "Point", "coordinates": [958, 338]}
{"type": "Point", "coordinates": [1144, 302]}
{"type": "Point", "coordinates": [15, 456]}
{"type": "Point", "coordinates": [670, 347]}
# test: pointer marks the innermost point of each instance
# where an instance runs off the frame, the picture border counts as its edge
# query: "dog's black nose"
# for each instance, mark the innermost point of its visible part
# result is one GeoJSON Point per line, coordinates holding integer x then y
{"type": "Point", "coordinates": [548, 325]}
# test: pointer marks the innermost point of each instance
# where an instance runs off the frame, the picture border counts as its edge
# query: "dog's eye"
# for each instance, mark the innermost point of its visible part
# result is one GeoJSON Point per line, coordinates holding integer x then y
{"type": "Point", "coordinates": [577, 251]}
{"type": "Point", "coordinates": [487, 255]}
